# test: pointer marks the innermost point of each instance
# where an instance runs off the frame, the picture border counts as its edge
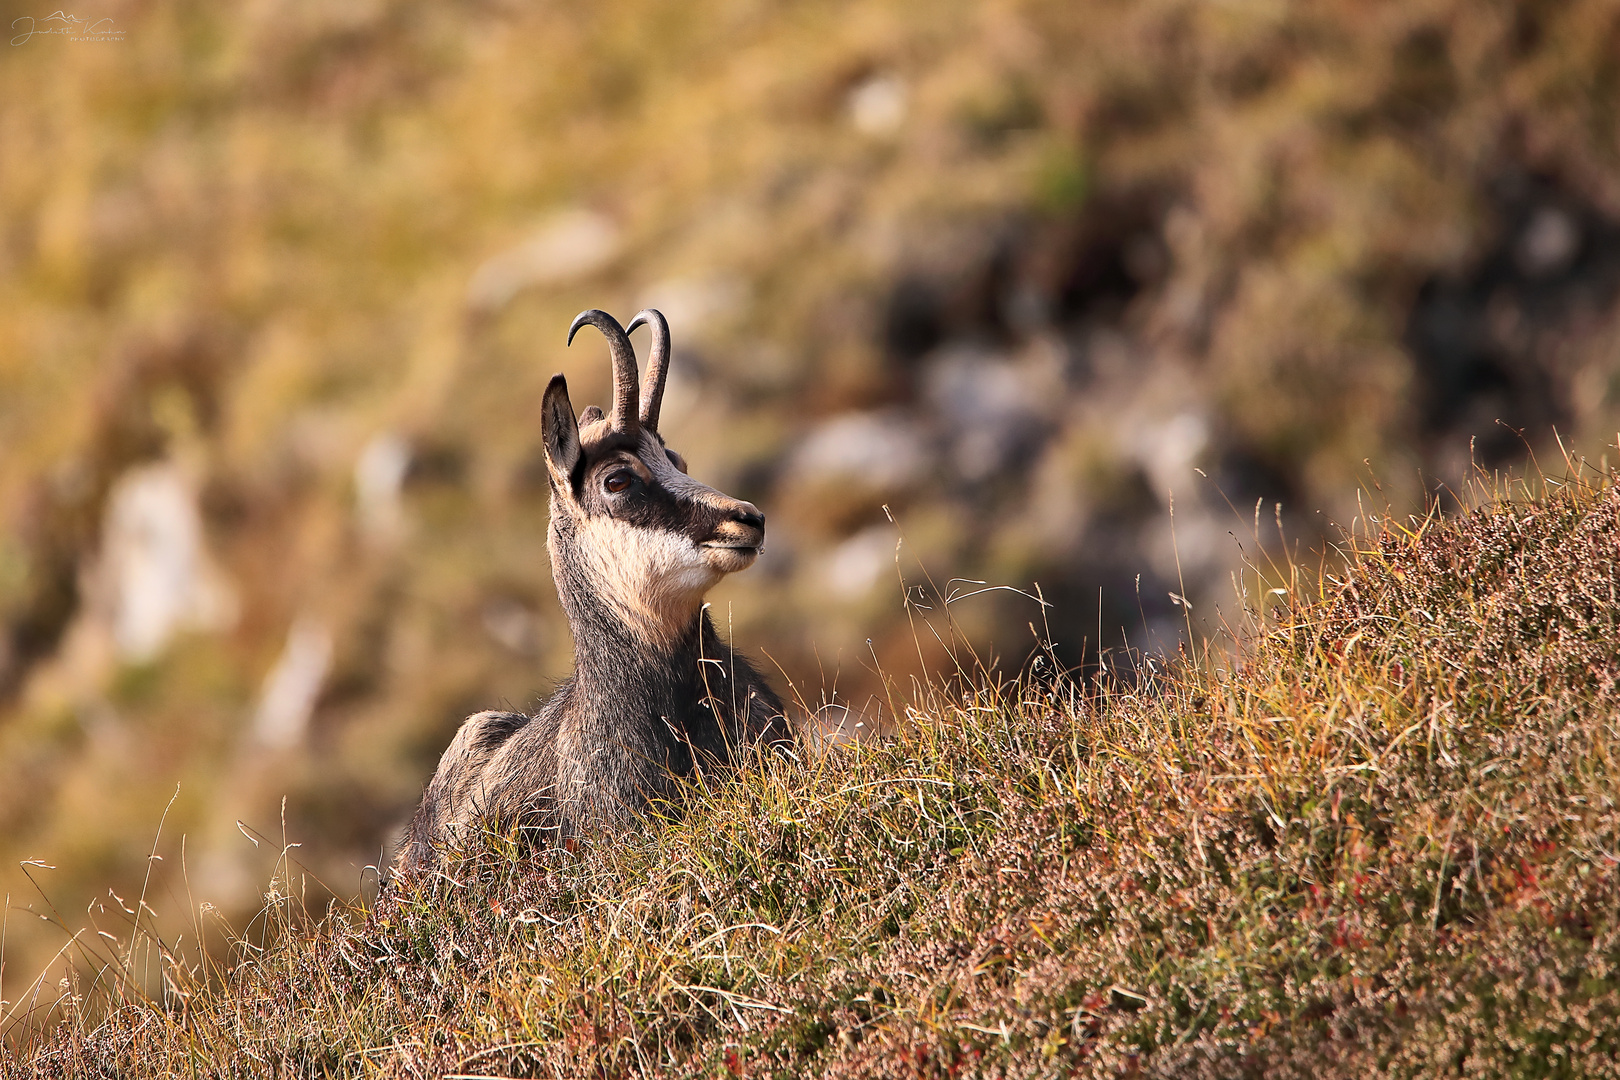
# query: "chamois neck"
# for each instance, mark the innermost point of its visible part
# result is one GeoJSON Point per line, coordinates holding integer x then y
{"type": "Point", "coordinates": [609, 653]}
{"type": "Point", "coordinates": [632, 589]}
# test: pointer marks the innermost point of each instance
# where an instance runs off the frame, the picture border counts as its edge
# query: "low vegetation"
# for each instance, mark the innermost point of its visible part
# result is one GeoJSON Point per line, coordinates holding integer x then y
{"type": "Point", "coordinates": [289, 281]}
{"type": "Point", "coordinates": [1381, 840]}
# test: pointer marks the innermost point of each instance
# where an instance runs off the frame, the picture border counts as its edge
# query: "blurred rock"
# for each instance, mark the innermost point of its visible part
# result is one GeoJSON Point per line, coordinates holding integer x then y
{"type": "Point", "coordinates": [154, 576]}
{"type": "Point", "coordinates": [852, 569]}
{"type": "Point", "coordinates": [571, 244]}
{"type": "Point", "coordinates": [293, 686]}
{"type": "Point", "coordinates": [1167, 451]}
{"type": "Point", "coordinates": [993, 412]}
{"type": "Point", "coordinates": [379, 474]}
{"type": "Point", "coordinates": [877, 105]}
{"type": "Point", "coordinates": [875, 452]}
{"type": "Point", "coordinates": [1549, 243]}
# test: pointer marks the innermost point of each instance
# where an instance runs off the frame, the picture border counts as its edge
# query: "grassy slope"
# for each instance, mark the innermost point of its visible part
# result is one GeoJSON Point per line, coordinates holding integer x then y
{"type": "Point", "coordinates": [243, 238]}
{"type": "Point", "coordinates": [1385, 842]}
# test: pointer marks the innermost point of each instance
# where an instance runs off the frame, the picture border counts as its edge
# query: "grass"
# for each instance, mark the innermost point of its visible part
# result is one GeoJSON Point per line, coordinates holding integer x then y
{"type": "Point", "coordinates": [242, 241]}
{"type": "Point", "coordinates": [1379, 838]}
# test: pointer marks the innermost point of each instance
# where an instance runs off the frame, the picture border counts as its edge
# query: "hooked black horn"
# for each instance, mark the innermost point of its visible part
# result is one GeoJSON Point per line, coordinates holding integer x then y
{"type": "Point", "coordinates": [652, 391]}
{"type": "Point", "coordinates": [624, 365]}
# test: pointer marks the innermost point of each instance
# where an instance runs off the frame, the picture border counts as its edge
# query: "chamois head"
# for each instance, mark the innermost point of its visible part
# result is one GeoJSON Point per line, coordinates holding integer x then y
{"type": "Point", "coordinates": [631, 532]}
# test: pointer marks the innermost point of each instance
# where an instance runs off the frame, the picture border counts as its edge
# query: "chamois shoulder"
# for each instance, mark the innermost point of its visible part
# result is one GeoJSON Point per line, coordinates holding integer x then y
{"type": "Point", "coordinates": [461, 770]}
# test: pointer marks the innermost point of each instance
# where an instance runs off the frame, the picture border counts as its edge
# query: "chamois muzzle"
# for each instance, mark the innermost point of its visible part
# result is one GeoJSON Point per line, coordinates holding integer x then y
{"type": "Point", "coordinates": [738, 538]}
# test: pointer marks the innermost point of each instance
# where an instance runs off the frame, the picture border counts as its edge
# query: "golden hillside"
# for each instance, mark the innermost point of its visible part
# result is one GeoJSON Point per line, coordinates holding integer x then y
{"type": "Point", "coordinates": [280, 286]}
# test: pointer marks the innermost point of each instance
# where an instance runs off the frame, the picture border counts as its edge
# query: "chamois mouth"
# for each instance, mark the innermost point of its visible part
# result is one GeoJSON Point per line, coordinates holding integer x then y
{"type": "Point", "coordinates": [721, 545]}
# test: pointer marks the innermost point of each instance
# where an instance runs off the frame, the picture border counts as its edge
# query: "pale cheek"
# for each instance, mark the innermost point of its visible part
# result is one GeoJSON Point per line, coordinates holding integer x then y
{"type": "Point", "coordinates": [692, 579]}
{"type": "Point", "coordinates": [683, 570]}
{"type": "Point", "coordinates": [657, 564]}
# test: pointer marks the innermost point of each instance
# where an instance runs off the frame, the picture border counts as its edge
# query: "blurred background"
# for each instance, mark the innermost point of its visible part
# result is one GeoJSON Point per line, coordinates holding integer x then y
{"type": "Point", "coordinates": [1106, 296]}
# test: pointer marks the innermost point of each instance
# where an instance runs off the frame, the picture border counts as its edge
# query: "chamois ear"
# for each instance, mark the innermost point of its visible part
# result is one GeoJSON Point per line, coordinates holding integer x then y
{"type": "Point", "coordinates": [560, 433]}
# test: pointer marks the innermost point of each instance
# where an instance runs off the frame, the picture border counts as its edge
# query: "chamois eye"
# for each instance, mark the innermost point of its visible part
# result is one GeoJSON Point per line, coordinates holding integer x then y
{"type": "Point", "coordinates": [619, 481]}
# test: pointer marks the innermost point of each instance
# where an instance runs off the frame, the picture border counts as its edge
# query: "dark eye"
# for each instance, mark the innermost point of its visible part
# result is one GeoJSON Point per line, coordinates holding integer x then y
{"type": "Point", "coordinates": [619, 481]}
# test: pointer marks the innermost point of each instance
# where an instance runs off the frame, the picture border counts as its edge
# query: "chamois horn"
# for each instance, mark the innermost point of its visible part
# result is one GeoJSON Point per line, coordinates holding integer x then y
{"type": "Point", "coordinates": [652, 388]}
{"type": "Point", "coordinates": [623, 416]}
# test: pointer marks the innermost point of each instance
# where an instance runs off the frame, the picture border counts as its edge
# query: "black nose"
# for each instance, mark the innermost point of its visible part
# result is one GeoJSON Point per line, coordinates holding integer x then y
{"type": "Point", "coordinates": [748, 514]}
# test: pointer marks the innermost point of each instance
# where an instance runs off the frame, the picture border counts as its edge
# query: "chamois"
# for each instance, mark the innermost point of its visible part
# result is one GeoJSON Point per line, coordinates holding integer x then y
{"type": "Point", "coordinates": [656, 695]}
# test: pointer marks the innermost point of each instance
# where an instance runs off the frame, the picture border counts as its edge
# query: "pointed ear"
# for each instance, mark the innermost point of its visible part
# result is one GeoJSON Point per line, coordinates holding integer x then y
{"type": "Point", "coordinates": [560, 433]}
